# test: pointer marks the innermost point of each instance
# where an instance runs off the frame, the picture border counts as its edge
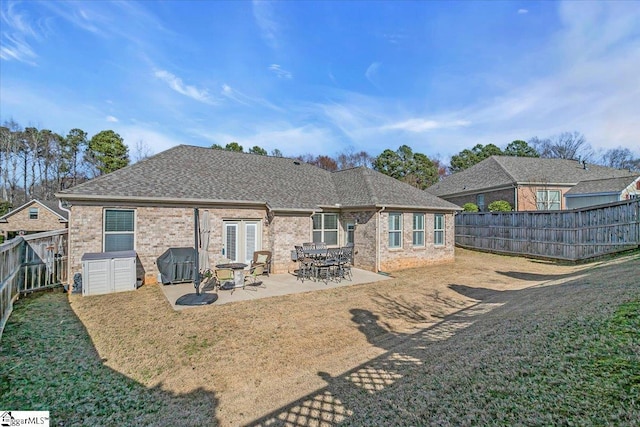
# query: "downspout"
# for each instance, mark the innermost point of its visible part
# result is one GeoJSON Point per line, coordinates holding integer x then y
{"type": "Point", "coordinates": [515, 198]}
{"type": "Point", "coordinates": [378, 243]}
{"type": "Point", "coordinates": [68, 211]}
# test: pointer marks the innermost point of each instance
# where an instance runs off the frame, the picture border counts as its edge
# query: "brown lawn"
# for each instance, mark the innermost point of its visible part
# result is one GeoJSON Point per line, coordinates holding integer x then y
{"type": "Point", "coordinates": [258, 356]}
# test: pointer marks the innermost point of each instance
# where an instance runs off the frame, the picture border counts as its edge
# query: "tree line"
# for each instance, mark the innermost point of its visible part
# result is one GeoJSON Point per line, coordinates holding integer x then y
{"type": "Point", "coordinates": [37, 163]}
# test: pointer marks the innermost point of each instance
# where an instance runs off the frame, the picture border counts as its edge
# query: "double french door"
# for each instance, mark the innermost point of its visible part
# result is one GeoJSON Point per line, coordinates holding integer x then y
{"type": "Point", "coordinates": [241, 238]}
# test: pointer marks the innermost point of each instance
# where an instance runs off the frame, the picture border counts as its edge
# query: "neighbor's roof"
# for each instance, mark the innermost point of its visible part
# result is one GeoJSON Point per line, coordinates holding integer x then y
{"type": "Point", "coordinates": [508, 171]}
{"type": "Point", "coordinates": [602, 186]}
{"type": "Point", "coordinates": [51, 205]}
{"type": "Point", "coordinates": [196, 175]}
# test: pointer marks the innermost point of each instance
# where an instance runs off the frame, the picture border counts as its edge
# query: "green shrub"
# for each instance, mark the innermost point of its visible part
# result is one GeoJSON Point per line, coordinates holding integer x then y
{"type": "Point", "coordinates": [499, 206]}
{"type": "Point", "coordinates": [470, 207]}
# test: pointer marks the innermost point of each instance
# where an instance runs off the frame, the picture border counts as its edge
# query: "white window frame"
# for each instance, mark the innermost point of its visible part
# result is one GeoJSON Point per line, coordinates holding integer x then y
{"type": "Point", "coordinates": [106, 233]}
{"type": "Point", "coordinates": [350, 232]}
{"type": "Point", "coordinates": [543, 202]}
{"type": "Point", "coordinates": [242, 252]}
{"type": "Point", "coordinates": [480, 201]}
{"type": "Point", "coordinates": [438, 229]}
{"type": "Point", "coordinates": [393, 231]}
{"type": "Point", "coordinates": [34, 213]}
{"type": "Point", "coordinates": [319, 235]}
{"type": "Point", "coordinates": [418, 231]}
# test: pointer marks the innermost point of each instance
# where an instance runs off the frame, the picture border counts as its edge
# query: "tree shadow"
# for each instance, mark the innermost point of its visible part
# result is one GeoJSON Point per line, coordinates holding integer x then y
{"type": "Point", "coordinates": [48, 362]}
{"type": "Point", "coordinates": [405, 384]}
{"type": "Point", "coordinates": [534, 276]}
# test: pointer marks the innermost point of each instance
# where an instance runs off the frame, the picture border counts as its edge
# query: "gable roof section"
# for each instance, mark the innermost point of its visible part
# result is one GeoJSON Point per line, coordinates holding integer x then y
{"type": "Point", "coordinates": [508, 171]}
{"type": "Point", "coordinates": [197, 175]}
{"type": "Point", "coordinates": [602, 186]}
{"type": "Point", "coordinates": [363, 187]}
{"type": "Point", "coordinates": [49, 205]}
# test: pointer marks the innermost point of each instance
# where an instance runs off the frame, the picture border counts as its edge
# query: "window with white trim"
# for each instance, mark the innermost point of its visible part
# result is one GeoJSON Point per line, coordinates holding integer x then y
{"type": "Point", "coordinates": [418, 229]}
{"type": "Point", "coordinates": [548, 200]}
{"type": "Point", "coordinates": [325, 228]}
{"type": "Point", "coordinates": [119, 230]}
{"type": "Point", "coordinates": [395, 230]}
{"type": "Point", "coordinates": [438, 229]}
{"type": "Point", "coordinates": [33, 213]}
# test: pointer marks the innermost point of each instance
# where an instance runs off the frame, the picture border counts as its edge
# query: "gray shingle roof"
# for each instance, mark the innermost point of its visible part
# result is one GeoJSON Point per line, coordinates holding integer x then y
{"type": "Point", "coordinates": [500, 171]}
{"type": "Point", "coordinates": [218, 176]}
{"type": "Point", "coordinates": [610, 185]}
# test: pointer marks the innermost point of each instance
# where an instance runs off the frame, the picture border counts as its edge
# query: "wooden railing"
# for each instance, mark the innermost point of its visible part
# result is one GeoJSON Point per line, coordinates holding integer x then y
{"type": "Point", "coordinates": [30, 263]}
{"type": "Point", "coordinates": [566, 235]}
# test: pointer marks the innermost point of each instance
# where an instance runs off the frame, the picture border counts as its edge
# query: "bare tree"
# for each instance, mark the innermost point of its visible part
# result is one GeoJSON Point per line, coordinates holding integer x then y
{"type": "Point", "coordinates": [567, 145]}
{"type": "Point", "coordinates": [350, 159]}
{"type": "Point", "coordinates": [141, 151]}
{"type": "Point", "coordinates": [620, 158]}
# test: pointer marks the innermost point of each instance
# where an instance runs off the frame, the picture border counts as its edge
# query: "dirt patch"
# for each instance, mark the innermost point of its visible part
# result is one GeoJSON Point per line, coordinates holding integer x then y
{"type": "Point", "coordinates": [259, 356]}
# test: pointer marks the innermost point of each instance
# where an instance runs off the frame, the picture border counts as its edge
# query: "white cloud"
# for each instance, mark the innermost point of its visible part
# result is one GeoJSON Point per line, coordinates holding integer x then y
{"type": "Point", "coordinates": [522, 11]}
{"type": "Point", "coordinates": [16, 30]}
{"type": "Point", "coordinates": [422, 125]}
{"type": "Point", "coordinates": [112, 119]}
{"type": "Point", "coordinates": [241, 98]}
{"type": "Point", "coordinates": [157, 141]}
{"type": "Point", "coordinates": [178, 85]}
{"type": "Point", "coordinates": [280, 72]}
{"type": "Point", "coordinates": [372, 72]}
{"type": "Point", "coordinates": [291, 140]}
{"type": "Point", "coordinates": [264, 16]}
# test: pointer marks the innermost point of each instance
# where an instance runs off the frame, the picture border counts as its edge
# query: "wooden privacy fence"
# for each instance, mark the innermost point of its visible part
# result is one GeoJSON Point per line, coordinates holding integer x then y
{"type": "Point", "coordinates": [567, 235]}
{"type": "Point", "coordinates": [29, 263]}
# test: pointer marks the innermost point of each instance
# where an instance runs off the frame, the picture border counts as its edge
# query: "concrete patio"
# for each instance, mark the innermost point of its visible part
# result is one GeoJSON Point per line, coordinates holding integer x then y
{"type": "Point", "coordinates": [273, 285]}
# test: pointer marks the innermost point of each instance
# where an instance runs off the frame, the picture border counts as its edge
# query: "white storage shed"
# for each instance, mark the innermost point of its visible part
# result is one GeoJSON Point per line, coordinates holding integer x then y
{"type": "Point", "coordinates": [108, 272]}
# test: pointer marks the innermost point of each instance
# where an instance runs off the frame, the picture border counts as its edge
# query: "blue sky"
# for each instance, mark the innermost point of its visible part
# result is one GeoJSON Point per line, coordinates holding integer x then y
{"type": "Point", "coordinates": [325, 77]}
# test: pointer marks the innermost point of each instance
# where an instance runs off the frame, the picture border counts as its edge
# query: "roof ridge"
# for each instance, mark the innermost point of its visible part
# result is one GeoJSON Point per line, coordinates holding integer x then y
{"type": "Point", "coordinates": [495, 159]}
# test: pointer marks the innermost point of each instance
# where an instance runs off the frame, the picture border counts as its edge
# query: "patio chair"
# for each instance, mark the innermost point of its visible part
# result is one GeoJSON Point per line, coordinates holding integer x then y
{"type": "Point", "coordinates": [305, 265]}
{"type": "Point", "coordinates": [262, 258]}
{"type": "Point", "coordinates": [208, 280]}
{"type": "Point", "coordinates": [251, 281]}
{"type": "Point", "coordinates": [345, 262]}
{"type": "Point", "coordinates": [224, 278]}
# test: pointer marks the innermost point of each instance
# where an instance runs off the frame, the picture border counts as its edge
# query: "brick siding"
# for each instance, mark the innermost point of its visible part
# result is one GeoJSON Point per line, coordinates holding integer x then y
{"type": "Point", "coordinates": [158, 228]}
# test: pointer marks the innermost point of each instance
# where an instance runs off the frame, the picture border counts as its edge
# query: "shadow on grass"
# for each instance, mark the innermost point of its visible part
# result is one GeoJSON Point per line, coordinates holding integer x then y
{"type": "Point", "coordinates": [506, 360]}
{"type": "Point", "coordinates": [48, 362]}
{"type": "Point", "coordinates": [534, 276]}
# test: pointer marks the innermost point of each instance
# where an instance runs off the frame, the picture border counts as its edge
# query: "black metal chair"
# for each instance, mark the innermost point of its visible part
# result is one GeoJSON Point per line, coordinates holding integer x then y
{"type": "Point", "coordinates": [345, 262]}
{"type": "Point", "coordinates": [305, 265]}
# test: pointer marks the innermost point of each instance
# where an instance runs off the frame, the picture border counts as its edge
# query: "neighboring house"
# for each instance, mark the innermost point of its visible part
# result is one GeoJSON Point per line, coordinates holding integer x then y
{"type": "Point", "coordinates": [601, 191]}
{"type": "Point", "coordinates": [256, 203]}
{"type": "Point", "coordinates": [527, 183]}
{"type": "Point", "coordinates": [33, 217]}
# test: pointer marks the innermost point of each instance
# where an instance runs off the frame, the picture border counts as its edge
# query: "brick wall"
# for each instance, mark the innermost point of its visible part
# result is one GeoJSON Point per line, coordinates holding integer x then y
{"type": "Point", "coordinates": [364, 239]}
{"type": "Point", "coordinates": [158, 228]}
{"type": "Point", "coordinates": [409, 256]}
{"type": "Point", "coordinates": [286, 232]}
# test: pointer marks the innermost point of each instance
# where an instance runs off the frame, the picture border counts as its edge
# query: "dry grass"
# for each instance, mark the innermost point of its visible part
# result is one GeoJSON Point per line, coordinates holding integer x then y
{"type": "Point", "coordinates": [454, 344]}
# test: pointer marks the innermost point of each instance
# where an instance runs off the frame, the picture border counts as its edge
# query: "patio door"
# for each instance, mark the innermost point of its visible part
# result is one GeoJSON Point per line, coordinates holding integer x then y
{"type": "Point", "coordinates": [241, 239]}
{"type": "Point", "coordinates": [350, 228]}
